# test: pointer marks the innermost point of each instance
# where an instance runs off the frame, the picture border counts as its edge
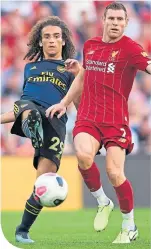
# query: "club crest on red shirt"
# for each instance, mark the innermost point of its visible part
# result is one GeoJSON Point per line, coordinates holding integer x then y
{"type": "Point", "coordinates": [144, 54]}
{"type": "Point", "coordinates": [113, 55]}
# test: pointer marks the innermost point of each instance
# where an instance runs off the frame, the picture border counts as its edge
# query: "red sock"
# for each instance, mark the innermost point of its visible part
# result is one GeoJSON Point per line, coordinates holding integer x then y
{"type": "Point", "coordinates": [91, 177]}
{"type": "Point", "coordinates": [124, 194]}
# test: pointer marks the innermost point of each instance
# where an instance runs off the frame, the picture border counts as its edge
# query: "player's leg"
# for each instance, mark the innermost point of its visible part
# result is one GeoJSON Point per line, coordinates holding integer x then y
{"type": "Point", "coordinates": [45, 160]}
{"type": "Point", "coordinates": [115, 159]}
{"type": "Point", "coordinates": [32, 207]}
{"type": "Point", "coordinates": [28, 122]}
{"type": "Point", "coordinates": [32, 127]}
{"type": "Point", "coordinates": [86, 147]}
{"type": "Point", "coordinates": [24, 124]}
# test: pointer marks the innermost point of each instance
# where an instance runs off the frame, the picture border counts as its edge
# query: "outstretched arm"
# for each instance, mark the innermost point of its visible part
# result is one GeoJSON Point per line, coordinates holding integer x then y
{"type": "Point", "coordinates": [7, 117]}
{"type": "Point", "coordinates": [75, 90]}
{"type": "Point", "coordinates": [74, 67]}
{"type": "Point", "coordinates": [76, 102]}
{"type": "Point", "coordinates": [73, 94]}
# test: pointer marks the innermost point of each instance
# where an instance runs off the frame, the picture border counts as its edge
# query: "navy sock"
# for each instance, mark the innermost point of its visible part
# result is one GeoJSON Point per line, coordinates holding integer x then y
{"type": "Point", "coordinates": [31, 211]}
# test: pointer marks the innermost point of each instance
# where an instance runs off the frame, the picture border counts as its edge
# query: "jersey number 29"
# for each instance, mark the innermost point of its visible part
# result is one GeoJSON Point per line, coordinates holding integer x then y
{"type": "Point", "coordinates": [57, 145]}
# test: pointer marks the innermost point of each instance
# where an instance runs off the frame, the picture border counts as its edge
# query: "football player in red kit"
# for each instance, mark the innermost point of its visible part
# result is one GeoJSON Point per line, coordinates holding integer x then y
{"type": "Point", "coordinates": [110, 64]}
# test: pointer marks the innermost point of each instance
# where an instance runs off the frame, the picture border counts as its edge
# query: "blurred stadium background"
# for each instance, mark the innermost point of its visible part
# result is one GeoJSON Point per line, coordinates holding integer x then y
{"type": "Point", "coordinates": [84, 20]}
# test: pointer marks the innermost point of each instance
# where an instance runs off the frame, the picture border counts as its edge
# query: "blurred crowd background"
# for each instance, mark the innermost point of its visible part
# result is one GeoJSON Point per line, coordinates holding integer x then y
{"type": "Point", "coordinates": [84, 20]}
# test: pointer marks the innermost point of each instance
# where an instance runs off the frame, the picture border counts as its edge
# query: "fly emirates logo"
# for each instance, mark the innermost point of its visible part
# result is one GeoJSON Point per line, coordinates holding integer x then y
{"type": "Point", "coordinates": [100, 66]}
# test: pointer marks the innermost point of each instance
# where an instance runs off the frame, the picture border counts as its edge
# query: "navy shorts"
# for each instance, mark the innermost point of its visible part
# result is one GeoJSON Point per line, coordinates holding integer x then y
{"type": "Point", "coordinates": [54, 132]}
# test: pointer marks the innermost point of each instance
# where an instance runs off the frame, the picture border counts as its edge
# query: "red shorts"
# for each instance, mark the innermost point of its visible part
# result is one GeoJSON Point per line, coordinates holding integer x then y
{"type": "Point", "coordinates": [107, 135]}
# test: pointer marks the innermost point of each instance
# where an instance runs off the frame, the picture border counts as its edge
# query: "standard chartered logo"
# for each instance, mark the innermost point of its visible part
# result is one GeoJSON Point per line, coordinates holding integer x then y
{"type": "Point", "coordinates": [110, 68]}
{"type": "Point", "coordinates": [96, 63]}
{"type": "Point", "coordinates": [100, 66]}
{"type": "Point", "coordinates": [93, 65]}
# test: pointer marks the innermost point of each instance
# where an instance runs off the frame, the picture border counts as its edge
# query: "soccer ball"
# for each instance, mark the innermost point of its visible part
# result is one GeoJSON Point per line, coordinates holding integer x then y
{"type": "Point", "coordinates": [50, 190]}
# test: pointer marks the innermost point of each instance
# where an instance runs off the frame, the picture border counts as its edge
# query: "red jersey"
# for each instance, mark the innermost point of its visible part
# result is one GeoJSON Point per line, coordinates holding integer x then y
{"type": "Point", "coordinates": [110, 69]}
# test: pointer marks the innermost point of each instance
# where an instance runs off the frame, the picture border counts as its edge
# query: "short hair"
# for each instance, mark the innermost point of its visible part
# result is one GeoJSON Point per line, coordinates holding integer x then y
{"type": "Point", "coordinates": [115, 6]}
{"type": "Point", "coordinates": [36, 52]}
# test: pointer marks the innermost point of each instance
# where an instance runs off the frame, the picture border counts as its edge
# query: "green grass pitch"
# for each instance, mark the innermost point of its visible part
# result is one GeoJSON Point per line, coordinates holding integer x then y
{"type": "Point", "coordinates": [74, 230]}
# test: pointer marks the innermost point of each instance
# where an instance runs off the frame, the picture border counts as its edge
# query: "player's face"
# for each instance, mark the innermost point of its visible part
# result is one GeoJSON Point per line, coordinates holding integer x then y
{"type": "Point", "coordinates": [52, 42]}
{"type": "Point", "coordinates": [114, 24]}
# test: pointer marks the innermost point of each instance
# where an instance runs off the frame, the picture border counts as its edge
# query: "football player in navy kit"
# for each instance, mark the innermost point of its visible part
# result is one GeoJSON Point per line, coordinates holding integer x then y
{"type": "Point", "coordinates": [46, 81]}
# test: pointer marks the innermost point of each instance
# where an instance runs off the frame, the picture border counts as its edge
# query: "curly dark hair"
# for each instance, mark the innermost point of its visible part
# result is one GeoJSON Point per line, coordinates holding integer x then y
{"type": "Point", "coordinates": [36, 52]}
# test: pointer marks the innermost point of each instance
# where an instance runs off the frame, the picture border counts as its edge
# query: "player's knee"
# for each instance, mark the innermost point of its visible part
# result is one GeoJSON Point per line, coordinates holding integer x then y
{"type": "Point", "coordinates": [85, 159]}
{"type": "Point", "coordinates": [115, 165]}
{"type": "Point", "coordinates": [116, 176]}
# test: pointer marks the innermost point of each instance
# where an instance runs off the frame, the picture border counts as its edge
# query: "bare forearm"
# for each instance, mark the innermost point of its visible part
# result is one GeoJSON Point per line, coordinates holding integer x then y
{"type": "Point", "coordinates": [7, 117]}
{"type": "Point", "coordinates": [75, 89]}
{"type": "Point", "coordinates": [76, 102]}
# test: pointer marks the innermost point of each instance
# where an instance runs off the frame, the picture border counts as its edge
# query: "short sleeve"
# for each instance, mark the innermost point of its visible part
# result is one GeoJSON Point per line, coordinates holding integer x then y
{"type": "Point", "coordinates": [139, 58]}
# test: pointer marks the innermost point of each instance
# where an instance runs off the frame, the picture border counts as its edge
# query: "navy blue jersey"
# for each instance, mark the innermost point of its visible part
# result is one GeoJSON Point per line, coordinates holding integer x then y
{"type": "Point", "coordinates": [46, 82]}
